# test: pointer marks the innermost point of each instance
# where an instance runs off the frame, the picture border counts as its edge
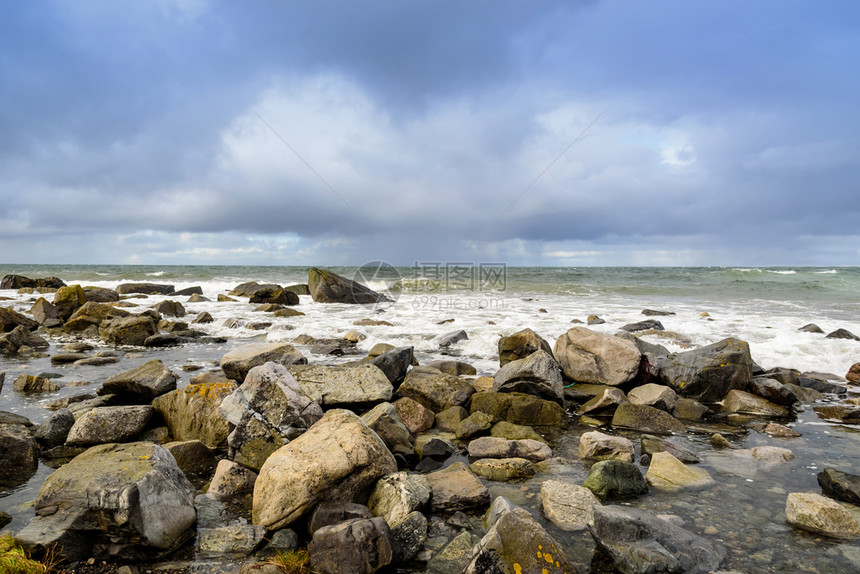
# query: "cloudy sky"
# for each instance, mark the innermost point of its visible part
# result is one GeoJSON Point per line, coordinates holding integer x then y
{"type": "Point", "coordinates": [338, 132]}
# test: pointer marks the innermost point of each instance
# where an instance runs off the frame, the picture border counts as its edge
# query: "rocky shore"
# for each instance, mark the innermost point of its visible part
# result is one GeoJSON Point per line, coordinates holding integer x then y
{"type": "Point", "coordinates": [566, 459]}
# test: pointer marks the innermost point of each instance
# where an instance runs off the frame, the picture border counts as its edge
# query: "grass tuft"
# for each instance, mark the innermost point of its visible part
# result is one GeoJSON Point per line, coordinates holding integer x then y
{"type": "Point", "coordinates": [292, 561]}
{"type": "Point", "coordinates": [16, 560]}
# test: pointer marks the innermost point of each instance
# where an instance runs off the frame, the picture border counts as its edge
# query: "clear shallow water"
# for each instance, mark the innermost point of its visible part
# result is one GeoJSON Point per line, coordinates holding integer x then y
{"type": "Point", "coordinates": [762, 306]}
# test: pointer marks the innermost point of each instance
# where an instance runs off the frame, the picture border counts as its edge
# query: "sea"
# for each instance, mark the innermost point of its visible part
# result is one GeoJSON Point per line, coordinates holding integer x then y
{"type": "Point", "coordinates": [765, 306]}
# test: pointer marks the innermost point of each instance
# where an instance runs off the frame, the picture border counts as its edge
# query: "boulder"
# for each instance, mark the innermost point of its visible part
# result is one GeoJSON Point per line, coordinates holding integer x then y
{"type": "Point", "coordinates": [343, 384]}
{"type": "Point", "coordinates": [239, 361]}
{"type": "Point", "coordinates": [191, 413]}
{"type": "Point", "coordinates": [646, 419]}
{"type": "Point", "coordinates": [657, 396]}
{"type": "Point", "coordinates": [394, 363]}
{"type": "Point", "coordinates": [231, 481]}
{"type": "Point", "coordinates": [383, 420]}
{"type": "Point", "coordinates": [415, 416]}
{"type": "Point", "coordinates": [45, 313]}
{"type": "Point", "coordinates": [100, 294]}
{"type": "Point", "coordinates": [194, 459]}
{"type": "Point", "coordinates": [587, 356]}
{"type": "Point", "coordinates": [840, 485]}
{"type": "Point", "coordinates": [145, 288]}
{"type": "Point", "coordinates": [91, 315]}
{"type": "Point", "coordinates": [820, 515]}
{"type": "Point", "coordinates": [842, 334]}
{"type": "Point", "coordinates": [203, 318]}
{"type": "Point", "coordinates": [268, 410]}
{"type": "Point", "coordinates": [239, 538]}
{"type": "Point", "coordinates": [853, 374]}
{"type": "Point", "coordinates": [328, 513]}
{"type": "Point", "coordinates": [445, 340]}
{"type": "Point", "coordinates": [328, 287]}
{"type": "Point", "coordinates": [455, 556]}
{"type": "Point", "coordinates": [298, 289]}
{"type": "Point", "coordinates": [19, 451]}
{"type": "Point", "coordinates": [745, 403]}
{"type": "Point", "coordinates": [520, 345]}
{"type": "Point", "coordinates": [567, 505]}
{"type": "Point", "coordinates": [114, 501]}
{"type": "Point", "coordinates": [338, 458]}
{"type": "Point", "coordinates": [274, 296]}
{"type": "Point", "coordinates": [647, 324]}
{"type": "Point", "coordinates": [109, 424]}
{"type": "Point", "coordinates": [132, 330]}
{"type": "Point", "coordinates": [32, 384]}
{"type": "Point", "coordinates": [69, 299]}
{"type": "Point", "coordinates": [822, 386]}
{"type": "Point", "coordinates": [605, 401]}
{"type": "Point", "coordinates": [494, 447]}
{"type": "Point", "coordinates": [708, 373]}
{"type": "Point", "coordinates": [652, 444]}
{"type": "Point", "coordinates": [397, 498]}
{"type": "Point", "coordinates": [773, 390]}
{"type": "Point", "coordinates": [11, 319]}
{"type": "Point", "coordinates": [19, 339]}
{"type": "Point", "coordinates": [668, 473]}
{"type": "Point", "coordinates": [503, 469]}
{"type": "Point", "coordinates": [55, 429]}
{"type": "Point", "coordinates": [433, 388]}
{"type": "Point", "coordinates": [449, 420]}
{"type": "Point", "coordinates": [358, 546]}
{"type": "Point", "coordinates": [639, 542]}
{"type": "Point", "coordinates": [598, 446]}
{"type": "Point", "coordinates": [142, 383]}
{"type": "Point", "coordinates": [538, 374]}
{"type": "Point", "coordinates": [780, 431]}
{"type": "Point", "coordinates": [610, 479]}
{"type": "Point", "coordinates": [169, 308]}
{"type": "Point", "coordinates": [689, 410]}
{"type": "Point", "coordinates": [456, 488]}
{"type": "Point", "coordinates": [516, 543]}
{"type": "Point", "coordinates": [476, 423]}
{"type": "Point", "coordinates": [841, 413]}
{"type": "Point", "coordinates": [19, 281]}
{"type": "Point", "coordinates": [511, 431]}
{"type": "Point", "coordinates": [248, 289]}
{"type": "Point", "coordinates": [519, 408]}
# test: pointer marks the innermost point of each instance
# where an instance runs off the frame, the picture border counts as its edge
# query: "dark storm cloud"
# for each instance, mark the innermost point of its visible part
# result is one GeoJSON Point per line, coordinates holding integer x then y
{"type": "Point", "coordinates": [431, 129]}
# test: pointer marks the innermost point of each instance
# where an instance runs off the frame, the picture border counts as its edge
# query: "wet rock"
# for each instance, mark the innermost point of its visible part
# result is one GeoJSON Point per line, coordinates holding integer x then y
{"type": "Point", "coordinates": [668, 473]}
{"type": "Point", "coordinates": [45, 313]}
{"type": "Point", "coordinates": [67, 300]}
{"type": "Point", "coordinates": [114, 501]}
{"type": "Point", "coordinates": [231, 481]}
{"type": "Point", "coordinates": [449, 420]}
{"type": "Point", "coordinates": [127, 330]}
{"type": "Point", "coordinates": [432, 388]}
{"type": "Point", "coordinates": [11, 319]}
{"type": "Point", "coordinates": [414, 415]}
{"type": "Point", "coordinates": [328, 287]}
{"type": "Point", "coordinates": [18, 281]}
{"type": "Point", "coordinates": [169, 308]}
{"type": "Point", "coordinates": [708, 373]}
{"type": "Point", "coordinates": [643, 326]}
{"type": "Point", "coordinates": [780, 431]}
{"type": "Point", "coordinates": [538, 374]}
{"type": "Point", "coordinates": [447, 339]}
{"type": "Point", "coordinates": [394, 363]}
{"type": "Point", "coordinates": [519, 408]}
{"type": "Point", "coordinates": [274, 295]}
{"type": "Point", "coordinates": [474, 424]}
{"type": "Point", "coordinates": [598, 446]}
{"type": "Point", "coordinates": [657, 396]}
{"type": "Point", "coordinates": [841, 413]}
{"type": "Point", "coordinates": [773, 390]}
{"type": "Point", "coordinates": [719, 441]}
{"type": "Point", "coordinates": [811, 328]}
{"type": "Point", "coordinates": [19, 339]}
{"type": "Point", "coordinates": [100, 294]}
{"type": "Point", "coordinates": [238, 538]}
{"type": "Point", "coordinates": [109, 424]}
{"type": "Point", "coordinates": [653, 444]}
{"type": "Point", "coordinates": [191, 413]}
{"type": "Point", "coordinates": [840, 485]}
{"type": "Point", "coordinates": [610, 479]}
{"type": "Point", "coordinates": [358, 546]}
{"type": "Point", "coordinates": [511, 431]}
{"type": "Point", "coordinates": [517, 543]}
{"type": "Point", "coordinates": [641, 543]}
{"type": "Point", "coordinates": [383, 420]}
{"type": "Point", "coordinates": [203, 318]}
{"type": "Point", "coordinates": [456, 488]}
{"type": "Point", "coordinates": [493, 447]}
{"type": "Point", "coordinates": [268, 410]}
{"type": "Point", "coordinates": [820, 515]}
{"type": "Point", "coordinates": [646, 419]}
{"type": "Point", "coordinates": [591, 357]}
{"type": "Point", "coordinates": [240, 360]}
{"type": "Point", "coordinates": [455, 556]}
{"type": "Point", "coordinates": [655, 313]}
{"type": "Point", "coordinates": [853, 374]}
{"type": "Point", "coordinates": [55, 429]}
{"type": "Point", "coordinates": [142, 383]}
{"type": "Point", "coordinates": [842, 334]}
{"type": "Point", "coordinates": [520, 345]}
{"type": "Point", "coordinates": [298, 289]}
{"type": "Point", "coordinates": [567, 505]}
{"type": "Point", "coordinates": [605, 402]}
{"type": "Point", "coordinates": [90, 316]}
{"type": "Point", "coordinates": [343, 385]}
{"type": "Point", "coordinates": [330, 513]}
{"type": "Point", "coordinates": [742, 402]}
{"type": "Point", "coordinates": [821, 386]}
{"type": "Point", "coordinates": [248, 289]}
{"type": "Point", "coordinates": [19, 451]}
{"type": "Point", "coordinates": [337, 459]}
{"type": "Point", "coordinates": [192, 457]}
{"type": "Point", "coordinates": [594, 320]}
{"type": "Point", "coordinates": [64, 358]}
{"type": "Point", "coordinates": [503, 469]}
{"type": "Point", "coordinates": [32, 384]}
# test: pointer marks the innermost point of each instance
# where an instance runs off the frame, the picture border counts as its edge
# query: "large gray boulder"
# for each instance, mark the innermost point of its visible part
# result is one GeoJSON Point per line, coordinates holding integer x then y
{"type": "Point", "coordinates": [434, 389]}
{"type": "Point", "coordinates": [538, 374]}
{"type": "Point", "coordinates": [142, 383]}
{"type": "Point", "coordinates": [328, 287]}
{"type": "Point", "coordinates": [520, 345]}
{"type": "Point", "coordinates": [268, 410]}
{"type": "Point", "coordinates": [497, 447]}
{"type": "Point", "coordinates": [339, 459]}
{"type": "Point", "coordinates": [587, 356]}
{"type": "Point", "coordinates": [114, 501]}
{"type": "Point", "coordinates": [192, 412]}
{"type": "Point", "coordinates": [109, 424]}
{"type": "Point", "coordinates": [640, 543]}
{"type": "Point", "coordinates": [358, 546]}
{"type": "Point", "coordinates": [343, 384]}
{"type": "Point", "coordinates": [45, 313]}
{"type": "Point", "coordinates": [240, 360]}
{"type": "Point", "coordinates": [394, 363]}
{"type": "Point", "coordinates": [516, 543]}
{"type": "Point", "coordinates": [708, 373]}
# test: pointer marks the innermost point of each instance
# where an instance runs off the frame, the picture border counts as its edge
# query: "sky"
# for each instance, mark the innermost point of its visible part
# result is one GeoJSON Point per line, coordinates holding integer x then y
{"type": "Point", "coordinates": [339, 132]}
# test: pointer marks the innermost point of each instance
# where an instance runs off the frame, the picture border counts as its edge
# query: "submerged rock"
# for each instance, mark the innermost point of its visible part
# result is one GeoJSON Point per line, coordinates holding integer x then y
{"type": "Point", "coordinates": [821, 515]}
{"type": "Point", "coordinates": [668, 473]}
{"type": "Point", "coordinates": [840, 485]}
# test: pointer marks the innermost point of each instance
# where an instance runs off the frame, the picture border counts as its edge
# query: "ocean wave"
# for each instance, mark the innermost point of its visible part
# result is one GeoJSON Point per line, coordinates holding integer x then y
{"type": "Point", "coordinates": [785, 272]}
{"type": "Point", "coordinates": [747, 269]}
{"type": "Point", "coordinates": [157, 274]}
{"type": "Point", "coordinates": [830, 272]}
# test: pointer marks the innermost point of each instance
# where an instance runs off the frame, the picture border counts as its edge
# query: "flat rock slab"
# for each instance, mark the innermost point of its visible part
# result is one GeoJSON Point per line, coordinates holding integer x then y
{"type": "Point", "coordinates": [343, 385]}
{"type": "Point", "coordinates": [567, 505]}
{"type": "Point", "coordinates": [840, 485]}
{"type": "Point", "coordinates": [109, 424]}
{"type": "Point", "coordinates": [668, 473]}
{"type": "Point", "coordinates": [142, 383]}
{"type": "Point", "coordinates": [495, 447]}
{"type": "Point", "coordinates": [596, 445]}
{"type": "Point", "coordinates": [821, 515]}
{"type": "Point", "coordinates": [503, 469]}
{"type": "Point", "coordinates": [646, 419]}
{"type": "Point", "coordinates": [456, 488]}
{"type": "Point", "coordinates": [240, 360]}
